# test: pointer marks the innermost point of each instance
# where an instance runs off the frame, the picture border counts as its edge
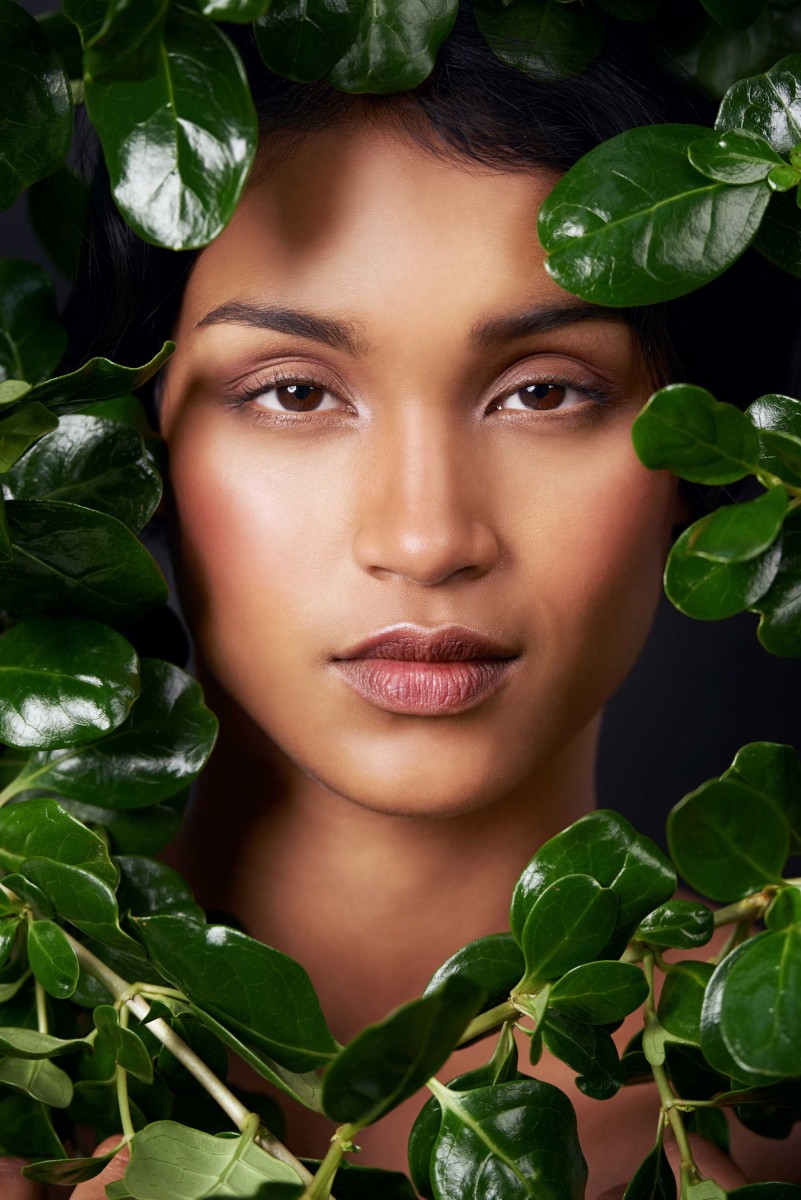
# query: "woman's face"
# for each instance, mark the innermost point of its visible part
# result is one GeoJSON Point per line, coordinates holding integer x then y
{"type": "Point", "coordinates": [458, 453]}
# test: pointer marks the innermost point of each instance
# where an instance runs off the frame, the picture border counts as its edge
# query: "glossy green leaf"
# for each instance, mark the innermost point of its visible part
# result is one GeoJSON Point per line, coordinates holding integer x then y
{"type": "Point", "coordinates": [686, 430]}
{"type": "Point", "coordinates": [569, 923]}
{"type": "Point", "coordinates": [77, 561]}
{"type": "Point", "coordinates": [760, 1002]}
{"type": "Point", "coordinates": [494, 961]}
{"type": "Point", "coordinates": [780, 455]}
{"type": "Point", "coordinates": [261, 993]}
{"type": "Point", "coordinates": [710, 591]}
{"type": "Point", "coordinates": [68, 1172]}
{"type": "Point", "coordinates": [768, 104]}
{"type": "Point", "coordinates": [784, 910]}
{"type": "Point", "coordinates": [52, 959]}
{"type": "Point", "coordinates": [126, 1046]}
{"type": "Point", "coordinates": [29, 893]}
{"type": "Point", "coordinates": [35, 104]}
{"type": "Point", "coordinates": [389, 1061]}
{"type": "Point", "coordinates": [171, 1162]}
{"type": "Point", "coordinates": [599, 993]}
{"type": "Point", "coordinates": [715, 1048]}
{"type": "Point", "coordinates": [634, 223]}
{"type": "Point", "coordinates": [302, 40]}
{"type": "Point", "coordinates": [196, 109]}
{"type": "Point", "coordinates": [18, 1042]}
{"type": "Point", "coordinates": [239, 11]}
{"type": "Point", "coordinates": [678, 923]}
{"type": "Point", "coordinates": [12, 391]}
{"type": "Point", "coordinates": [39, 1079]}
{"type": "Point", "coordinates": [20, 428]}
{"type": "Point", "coordinates": [682, 997]}
{"type": "Point", "coordinates": [654, 1178]}
{"type": "Point", "coordinates": [8, 935]}
{"type": "Point", "coordinates": [779, 629]}
{"type": "Point", "coordinates": [605, 846]}
{"type": "Point", "coordinates": [728, 840]}
{"type": "Point", "coordinates": [734, 14]}
{"type": "Point", "coordinates": [80, 898]}
{"type": "Point", "coordinates": [779, 236]}
{"type": "Point", "coordinates": [784, 177]}
{"type": "Point", "coordinates": [739, 532]}
{"type": "Point", "coordinates": [782, 414]}
{"type": "Point", "coordinates": [141, 831]}
{"type": "Point", "coordinates": [32, 340]}
{"type": "Point", "coordinates": [128, 45]}
{"type": "Point", "coordinates": [773, 770]}
{"type": "Point", "coordinates": [63, 681]}
{"type": "Point", "coordinates": [589, 1050]}
{"type": "Point", "coordinates": [40, 828]}
{"type": "Point", "coordinates": [546, 39]}
{"type": "Point", "coordinates": [161, 747]}
{"type": "Point", "coordinates": [92, 461]}
{"type": "Point", "coordinates": [518, 1138]}
{"type": "Point", "coordinates": [148, 886]}
{"type": "Point", "coordinates": [737, 156]}
{"type": "Point", "coordinates": [57, 209]}
{"type": "Point", "coordinates": [97, 379]}
{"type": "Point", "coordinates": [394, 45]}
{"type": "Point", "coordinates": [26, 1128]}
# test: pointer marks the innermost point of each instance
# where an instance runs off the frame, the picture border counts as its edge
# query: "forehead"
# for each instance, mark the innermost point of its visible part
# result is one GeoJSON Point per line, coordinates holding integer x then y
{"type": "Point", "coordinates": [361, 216]}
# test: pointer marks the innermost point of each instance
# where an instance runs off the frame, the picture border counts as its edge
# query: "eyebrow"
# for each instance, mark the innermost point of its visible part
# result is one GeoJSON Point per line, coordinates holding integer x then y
{"type": "Point", "coordinates": [348, 334]}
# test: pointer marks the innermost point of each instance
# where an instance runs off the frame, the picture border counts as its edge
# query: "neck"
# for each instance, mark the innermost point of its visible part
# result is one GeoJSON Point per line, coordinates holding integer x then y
{"type": "Point", "coordinates": [369, 903]}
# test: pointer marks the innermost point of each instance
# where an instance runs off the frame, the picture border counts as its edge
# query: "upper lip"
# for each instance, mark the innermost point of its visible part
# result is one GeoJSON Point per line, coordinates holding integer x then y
{"type": "Point", "coordinates": [447, 644]}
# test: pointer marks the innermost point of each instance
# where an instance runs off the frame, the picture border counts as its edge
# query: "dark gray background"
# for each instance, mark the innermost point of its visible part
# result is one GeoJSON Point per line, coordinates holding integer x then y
{"type": "Point", "coordinates": [698, 692]}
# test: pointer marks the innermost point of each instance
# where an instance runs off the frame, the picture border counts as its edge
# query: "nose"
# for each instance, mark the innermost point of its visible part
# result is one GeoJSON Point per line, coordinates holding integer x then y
{"type": "Point", "coordinates": [424, 509]}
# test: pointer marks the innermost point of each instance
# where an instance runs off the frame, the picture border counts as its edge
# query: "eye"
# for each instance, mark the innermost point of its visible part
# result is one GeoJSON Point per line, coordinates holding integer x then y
{"type": "Point", "coordinates": [545, 396]}
{"type": "Point", "coordinates": [291, 394]}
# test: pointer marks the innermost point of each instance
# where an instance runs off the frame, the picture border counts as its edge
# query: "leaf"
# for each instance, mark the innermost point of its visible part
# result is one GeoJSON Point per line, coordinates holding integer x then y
{"type": "Point", "coordinates": [785, 909]}
{"type": "Point", "coordinates": [605, 846]}
{"type": "Point", "coordinates": [737, 156]}
{"type": "Point", "coordinates": [241, 11]}
{"type": "Point", "coordinates": [779, 629]}
{"type": "Point", "coordinates": [52, 959]}
{"type": "Point", "coordinates": [77, 561]}
{"type": "Point", "coordinates": [263, 994]}
{"type": "Point", "coordinates": [67, 1172]}
{"type": "Point", "coordinates": [681, 999]}
{"type": "Point", "coordinates": [63, 37]}
{"type": "Point", "coordinates": [715, 1048]}
{"type": "Point", "coordinates": [739, 532]}
{"type": "Point", "coordinates": [302, 40]}
{"type": "Point", "coordinates": [35, 104]}
{"type": "Point", "coordinates": [546, 39]}
{"type": "Point", "coordinates": [58, 208]}
{"type": "Point", "coordinates": [759, 1004]}
{"type": "Point", "coordinates": [142, 831]}
{"type": "Point", "coordinates": [97, 379]}
{"type": "Point", "coordinates": [161, 747]}
{"type": "Point", "coordinates": [63, 681]}
{"type": "Point", "coordinates": [148, 886]}
{"type": "Point", "coordinates": [30, 894]}
{"type": "Point", "coordinates": [41, 828]}
{"type": "Point", "coordinates": [21, 1043]}
{"type": "Point", "coordinates": [710, 591]}
{"type": "Point", "coordinates": [40, 1079]}
{"type": "Point", "coordinates": [126, 1046]}
{"type": "Point", "coordinates": [599, 993]}
{"type": "Point", "coordinates": [171, 1162]}
{"type": "Point", "coordinates": [20, 429]}
{"type": "Point", "coordinates": [32, 340]}
{"type": "Point", "coordinates": [589, 1050]}
{"type": "Point", "coordinates": [681, 924]}
{"type": "Point", "coordinates": [772, 770]}
{"type": "Point", "coordinates": [26, 1128]}
{"type": "Point", "coordinates": [92, 461]}
{"type": "Point", "coordinates": [179, 144]}
{"type": "Point", "coordinates": [494, 961]}
{"type": "Point", "coordinates": [8, 935]}
{"type": "Point", "coordinates": [519, 1139]}
{"type": "Point", "coordinates": [387, 1062]}
{"type": "Point", "coordinates": [82, 899]}
{"type": "Point", "coordinates": [633, 222]}
{"type": "Point", "coordinates": [734, 14]}
{"type": "Point", "coordinates": [728, 840]}
{"type": "Point", "coordinates": [654, 1178]}
{"type": "Point", "coordinates": [686, 430]}
{"type": "Point", "coordinates": [394, 46]}
{"type": "Point", "coordinates": [128, 44]}
{"type": "Point", "coordinates": [569, 923]}
{"type": "Point", "coordinates": [769, 105]}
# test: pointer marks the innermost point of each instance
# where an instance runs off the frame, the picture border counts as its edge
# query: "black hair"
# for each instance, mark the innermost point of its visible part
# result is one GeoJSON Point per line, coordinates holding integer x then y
{"type": "Point", "coordinates": [472, 106]}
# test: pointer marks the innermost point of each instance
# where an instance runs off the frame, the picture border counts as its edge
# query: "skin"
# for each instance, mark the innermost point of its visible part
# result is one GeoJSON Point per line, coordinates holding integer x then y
{"type": "Point", "coordinates": [371, 845]}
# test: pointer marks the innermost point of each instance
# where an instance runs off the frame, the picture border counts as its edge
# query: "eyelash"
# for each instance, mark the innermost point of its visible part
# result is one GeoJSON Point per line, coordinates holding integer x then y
{"type": "Point", "coordinates": [600, 397]}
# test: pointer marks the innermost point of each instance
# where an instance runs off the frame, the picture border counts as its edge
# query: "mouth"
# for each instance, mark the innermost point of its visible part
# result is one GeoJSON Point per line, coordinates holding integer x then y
{"type": "Point", "coordinates": [426, 672]}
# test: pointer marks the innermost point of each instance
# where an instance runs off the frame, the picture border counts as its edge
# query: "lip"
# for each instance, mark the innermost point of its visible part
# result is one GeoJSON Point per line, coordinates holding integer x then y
{"type": "Point", "coordinates": [426, 672]}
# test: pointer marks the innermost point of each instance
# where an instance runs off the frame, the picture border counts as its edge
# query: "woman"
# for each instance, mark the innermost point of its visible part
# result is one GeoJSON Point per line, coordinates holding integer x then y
{"type": "Point", "coordinates": [387, 424]}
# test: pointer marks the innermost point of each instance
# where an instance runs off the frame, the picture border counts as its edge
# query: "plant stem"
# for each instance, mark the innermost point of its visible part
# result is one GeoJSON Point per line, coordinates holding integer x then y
{"type": "Point", "coordinates": [489, 1020]}
{"type": "Point", "coordinates": [120, 989]}
{"type": "Point", "coordinates": [121, 1077]}
{"type": "Point", "coordinates": [751, 908]}
{"type": "Point", "coordinates": [39, 992]}
{"type": "Point", "coordinates": [342, 1140]}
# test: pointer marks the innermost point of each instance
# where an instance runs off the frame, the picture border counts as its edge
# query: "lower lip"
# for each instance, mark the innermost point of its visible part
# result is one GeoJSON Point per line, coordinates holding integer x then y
{"type": "Point", "coordinates": [424, 688]}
